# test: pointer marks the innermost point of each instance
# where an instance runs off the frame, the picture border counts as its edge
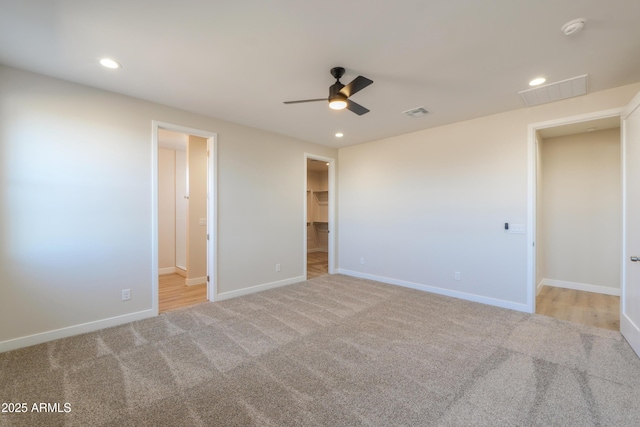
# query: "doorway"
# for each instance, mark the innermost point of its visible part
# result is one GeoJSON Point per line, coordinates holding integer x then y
{"type": "Point", "coordinates": [575, 219]}
{"type": "Point", "coordinates": [184, 216]}
{"type": "Point", "coordinates": [319, 215]}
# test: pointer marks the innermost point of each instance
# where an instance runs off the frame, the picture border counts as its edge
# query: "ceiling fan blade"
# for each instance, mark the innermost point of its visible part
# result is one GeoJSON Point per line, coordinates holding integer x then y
{"type": "Point", "coordinates": [305, 100]}
{"type": "Point", "coordinates": [355, 86]}
{"type": "Point", "coordinates": [356, 108]}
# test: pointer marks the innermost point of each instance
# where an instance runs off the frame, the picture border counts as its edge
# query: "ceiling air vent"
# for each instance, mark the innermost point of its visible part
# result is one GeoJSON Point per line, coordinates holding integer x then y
{"type": "Point", "coordinates": [416, 112]}
{"type": "Point", "coordinates": [564, 89]}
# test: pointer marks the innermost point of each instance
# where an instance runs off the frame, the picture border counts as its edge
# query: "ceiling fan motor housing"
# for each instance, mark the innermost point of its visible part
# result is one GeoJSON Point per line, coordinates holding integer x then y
{"type": "Point", "coordinates": [337, 72]}
{"type": "Point", "coordinates": [334, 91]}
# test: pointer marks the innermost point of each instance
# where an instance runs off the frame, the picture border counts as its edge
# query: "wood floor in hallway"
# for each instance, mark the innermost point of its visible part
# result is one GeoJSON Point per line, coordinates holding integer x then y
{"type": "Point", "coordinates": [173, 293]}
{"type": "Point", "coordinates": [586, 308]}
{"type": "Point", "coordinates": [317, 264]}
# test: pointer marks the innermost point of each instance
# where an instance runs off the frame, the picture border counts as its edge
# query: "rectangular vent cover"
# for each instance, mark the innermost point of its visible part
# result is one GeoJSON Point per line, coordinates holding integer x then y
{"type": "Point", "coordinates": [564, 89]}
{"type": "Point", "coordinates": [416, 112]}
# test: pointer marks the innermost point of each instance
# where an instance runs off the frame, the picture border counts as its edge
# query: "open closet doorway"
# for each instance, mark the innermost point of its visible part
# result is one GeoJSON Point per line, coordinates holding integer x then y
{"type": "Point", "coordinates": [578, 221]}
{"type": "Point", "coordinates": [319, 215]}
{"type": "Point", "coordinates": [184, 254]}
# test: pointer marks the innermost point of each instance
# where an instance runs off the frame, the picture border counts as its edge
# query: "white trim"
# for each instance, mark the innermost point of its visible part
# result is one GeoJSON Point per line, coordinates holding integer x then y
{"type": "Point", "coordinates": [539, 287]}
{"type": "Point", "coordinates": [580, 287]}
{"type": "Point", "coordinates": [195, 281]}
{"type": "Point", "coordinates": [532, 189]}
{"type": "Point", "coordinates": [212, 216]}
{"type": "Point", "coordinates": [532, 157]}
{"type": "Point", "coordinates": [154, 218]}
{"type": "Point", "coordinates": [166, 270]}
{"type": "Point", "coordinates": [440, 291]}
{"type": "Point", "coordinates": [82, 328]}
{"type": "Point", "coordinates": [259, 288]}
{"type": "Point", "coordinates": [212, 205]}
{"type": "Point", "coordinates": [626, 325]}
{"type": "Point", "coordinates": [331, 244]}
{"type": "Point", "coordinates": [628, 329]}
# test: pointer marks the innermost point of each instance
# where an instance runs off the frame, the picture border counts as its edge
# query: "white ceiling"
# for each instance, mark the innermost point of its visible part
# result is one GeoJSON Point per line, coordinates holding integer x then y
{"type": "Point", "coordinates": [239, 60]}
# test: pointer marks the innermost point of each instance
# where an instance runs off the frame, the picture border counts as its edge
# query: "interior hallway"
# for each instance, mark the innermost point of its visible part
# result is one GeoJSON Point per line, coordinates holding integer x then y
{"type": "Point", "coordinates": [173, 293]}
{"type": "Point", "coordinates": [586, 308]}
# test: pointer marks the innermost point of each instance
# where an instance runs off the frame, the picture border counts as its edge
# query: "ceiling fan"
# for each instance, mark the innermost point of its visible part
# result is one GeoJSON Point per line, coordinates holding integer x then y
{"type": "Point", "coordinates": [339, 94]}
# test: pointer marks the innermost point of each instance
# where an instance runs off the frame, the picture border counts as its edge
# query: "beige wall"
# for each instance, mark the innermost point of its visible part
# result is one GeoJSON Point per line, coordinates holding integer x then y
{"type": "Point", "coordinates": [166, 208]}
{"type": "Point", "coordinates": [197, 234]}
{"type": "Point", "coordinates": [421, 206]}
{"type": "Point", "coordinates": [76, 206]}
{"type": "Point", "coordinates": [582, 208]}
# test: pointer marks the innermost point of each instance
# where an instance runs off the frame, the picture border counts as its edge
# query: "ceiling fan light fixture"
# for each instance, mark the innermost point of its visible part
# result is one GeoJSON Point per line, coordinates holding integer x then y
{"type": "Point", "coordinates": [338, 103]}
{"type": "Point", "coordinates": [339, 94]}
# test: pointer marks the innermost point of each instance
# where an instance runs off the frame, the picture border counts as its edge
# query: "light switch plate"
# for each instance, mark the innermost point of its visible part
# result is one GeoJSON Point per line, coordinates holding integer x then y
{"type": "Point", "coordinates": [517, 229]}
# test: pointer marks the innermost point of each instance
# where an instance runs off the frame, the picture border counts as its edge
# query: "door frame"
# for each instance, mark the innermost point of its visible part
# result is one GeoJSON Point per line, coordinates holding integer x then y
{"type": "Point", "coordinates": [532, 189]}
{"type": "Point", "coordinates": [331, 212]}
{"type": "Point", "coordinates": [212, 211]}
{"type": "Point", "coordinates": [628, 328]}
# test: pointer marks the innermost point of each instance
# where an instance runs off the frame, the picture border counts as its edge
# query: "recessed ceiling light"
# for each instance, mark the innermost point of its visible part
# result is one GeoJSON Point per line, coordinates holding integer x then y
{"type": "Point", "coordinates": [110, 63]}
{"type": "Point", "coordinates": [339, 135]}
{"type": "Point", "coordinates": [537, 81]}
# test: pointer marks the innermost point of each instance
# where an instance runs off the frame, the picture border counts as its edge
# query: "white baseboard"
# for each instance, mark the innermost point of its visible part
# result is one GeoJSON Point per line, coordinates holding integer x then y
{"type": "Point", "coordinates": [581, 287]}
{"type": "Point", "coordinates": [73, 330]}
{"type": "Point", "coordinates": [253, 289]}
{"type": "Point", "coordinates": [166, 270]}
{"type": "Point", "coordinates": [181, 271]}
{"type": "Point", "coordinates": [196, 281]}
{"type": "Point", "coordinates": [539, 287]}
{"type": "Point", "coordinates": [440, 291]}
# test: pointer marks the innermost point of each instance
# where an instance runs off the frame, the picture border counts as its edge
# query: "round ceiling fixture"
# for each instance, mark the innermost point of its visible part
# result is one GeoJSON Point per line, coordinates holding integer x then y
{"type": "Point", "coordinates": [574, 26]}
{"type": "Point", "coordinates": [538, 81]}
{"type": "Point", "coordinates": [339, 134]}
{"type": "Point", "coordinates": [110, 63]}
{"type": "Point", "coordinates": [338, 102]}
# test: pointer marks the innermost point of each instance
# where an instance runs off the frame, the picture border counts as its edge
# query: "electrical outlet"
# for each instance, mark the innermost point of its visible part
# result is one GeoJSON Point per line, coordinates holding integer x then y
{"type": "Point", "coordinates": [277, 267]}
{"type": "Point", "coordinates": [126, 294]}
{"type": "Point", "coordinates": [456, 275]}
{"type": "Point", "coordinates": [362, 260]}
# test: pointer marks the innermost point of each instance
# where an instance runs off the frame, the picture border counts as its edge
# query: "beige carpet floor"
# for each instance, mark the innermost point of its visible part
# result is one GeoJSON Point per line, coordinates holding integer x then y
{"type": "Point", "coordinates": [332, 351]}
